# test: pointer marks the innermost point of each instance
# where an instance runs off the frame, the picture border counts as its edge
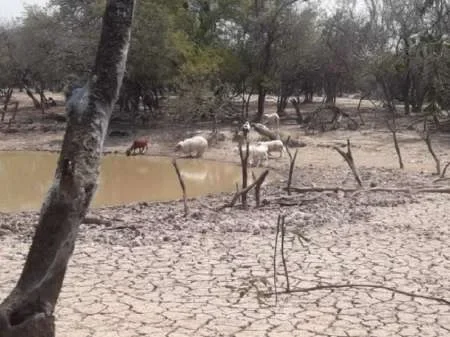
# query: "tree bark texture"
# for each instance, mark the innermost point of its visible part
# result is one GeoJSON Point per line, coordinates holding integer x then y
{"type": "Point", "coordinates": [28, 309]}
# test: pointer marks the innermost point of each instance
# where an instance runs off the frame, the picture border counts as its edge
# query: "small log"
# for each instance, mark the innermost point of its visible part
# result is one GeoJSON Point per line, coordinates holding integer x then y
{"type": "Point", "coordinates": [286, 139]}
{"type": "Point", "coordinates": [93, 220]}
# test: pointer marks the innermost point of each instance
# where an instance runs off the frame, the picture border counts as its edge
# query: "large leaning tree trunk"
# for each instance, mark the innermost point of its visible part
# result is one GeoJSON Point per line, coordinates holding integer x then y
{"type": "Point", "coordinates": [28, 309]}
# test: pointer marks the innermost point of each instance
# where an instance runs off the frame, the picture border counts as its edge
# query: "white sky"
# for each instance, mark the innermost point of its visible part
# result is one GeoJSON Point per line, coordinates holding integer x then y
{"type": "Point", "coordinates": [11, 9]}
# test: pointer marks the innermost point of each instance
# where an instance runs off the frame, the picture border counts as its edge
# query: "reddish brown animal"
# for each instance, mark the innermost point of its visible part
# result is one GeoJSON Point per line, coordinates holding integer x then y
{"type": "Point", "coordinates": [140, 144]}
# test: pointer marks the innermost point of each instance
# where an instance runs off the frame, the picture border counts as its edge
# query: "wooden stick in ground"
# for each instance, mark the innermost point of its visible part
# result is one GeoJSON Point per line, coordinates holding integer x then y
{"type": "Point", "coordinates": [283, 259]}
{"type": "Point", "coordinates": [393, 129]}
{"type": "Point", "coordinates": [291, 166]}
{"type": "Point", "coordinates": [275, 260]}
{"type": "Point", "coordinates": [183, 186]}
{"type": "Point", "coordinates": [257, 191]}
{"type": "Point", "coordinates": [433, 154]}
{"type": "Point", "coordinates": [258, 182]}
{"type": "Point", "coordinates": [349, 159]}
{"type": "Point", "coordinates": [244, 165]}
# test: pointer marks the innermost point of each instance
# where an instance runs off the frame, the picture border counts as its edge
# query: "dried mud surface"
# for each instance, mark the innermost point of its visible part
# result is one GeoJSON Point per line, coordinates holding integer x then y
{"type": "Point", "coordinates": [153, 272]}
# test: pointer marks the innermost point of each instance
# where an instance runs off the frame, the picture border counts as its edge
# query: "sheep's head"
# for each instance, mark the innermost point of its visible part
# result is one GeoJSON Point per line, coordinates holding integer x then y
{"type": "Point", "coordinates": [178, 146]}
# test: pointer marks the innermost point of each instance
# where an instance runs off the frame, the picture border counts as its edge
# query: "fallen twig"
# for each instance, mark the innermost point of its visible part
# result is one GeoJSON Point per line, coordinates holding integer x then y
{"type": "Point", "coordinates": [371, 286]}
{"type": "Point", "coordinates": [375, 189]}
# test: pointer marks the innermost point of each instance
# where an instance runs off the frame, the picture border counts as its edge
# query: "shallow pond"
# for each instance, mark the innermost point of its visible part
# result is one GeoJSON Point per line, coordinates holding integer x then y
{"type": "Point", "coordinates": [25, 178]}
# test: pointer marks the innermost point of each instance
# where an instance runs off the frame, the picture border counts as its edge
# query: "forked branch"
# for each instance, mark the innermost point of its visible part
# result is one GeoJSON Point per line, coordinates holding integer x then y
{"type": "Point", "coordinates": [349, 159]}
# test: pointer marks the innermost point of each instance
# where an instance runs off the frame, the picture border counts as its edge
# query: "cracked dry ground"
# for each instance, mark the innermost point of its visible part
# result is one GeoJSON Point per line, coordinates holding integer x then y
{"type": "Point", "coordinates": [154, 273]}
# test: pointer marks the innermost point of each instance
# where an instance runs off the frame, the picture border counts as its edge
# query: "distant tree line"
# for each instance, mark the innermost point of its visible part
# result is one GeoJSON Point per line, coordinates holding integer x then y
{"type": "Point", "coordinates": [206, 52]}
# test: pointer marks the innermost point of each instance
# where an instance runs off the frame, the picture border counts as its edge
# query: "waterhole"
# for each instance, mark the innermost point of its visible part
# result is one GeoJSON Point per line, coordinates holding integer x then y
{"type": "Point", "coordinates": [25, 178]}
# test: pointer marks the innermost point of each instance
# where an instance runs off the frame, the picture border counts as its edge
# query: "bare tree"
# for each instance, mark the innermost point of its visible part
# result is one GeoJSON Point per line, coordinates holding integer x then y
{"type": "Point", "coordinates": [28, 309]}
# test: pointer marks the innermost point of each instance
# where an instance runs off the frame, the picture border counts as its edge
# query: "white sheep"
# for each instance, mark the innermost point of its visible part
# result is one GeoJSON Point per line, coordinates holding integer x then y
{"type": "Point", "coordinates": [246, 128]}
{"type": "Point", "coordinates": [189, 146]}
{"type": "Point", "coordinates": [274, 146]}
{"type": "Point", "coordinates": [258, 154]}
{"type": "Point", "coordinates": [272, 118]}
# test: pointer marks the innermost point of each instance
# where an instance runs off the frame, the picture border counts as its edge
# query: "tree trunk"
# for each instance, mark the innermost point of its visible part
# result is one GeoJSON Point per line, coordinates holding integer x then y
{"type": "Point", "coordinates": [261, 101]}
{"type": "Point", "coordinates": [330, 87]}
{"type": "Point", "coordinates": [247, 103]}
{"type": "Point", "coordinates": [43, 100]}
{"type": "Point", "coordinates": [406, 93]}
{"type": "Point", "coordinates": [36, 102]}
{"type": "Point", "coordinates": [7, 98]}
{"type": "Point", "coordinates": [28, 309]}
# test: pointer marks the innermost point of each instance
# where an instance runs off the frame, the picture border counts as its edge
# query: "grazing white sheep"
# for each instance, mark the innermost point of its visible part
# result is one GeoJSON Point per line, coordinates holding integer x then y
{"type": "Point", "coordinates": [258, 154]}
{"type": "Point", "coordinates": [272, 118]}
{"type": "Point", "coordinates": [274, 146]}
{"type": "Point", "coordinates": [196, 145]}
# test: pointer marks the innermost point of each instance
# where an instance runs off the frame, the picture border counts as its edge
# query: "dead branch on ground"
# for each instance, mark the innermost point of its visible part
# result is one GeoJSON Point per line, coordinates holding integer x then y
{"type": "Point", "coordinates": [238, 194]}
{"type": "Point", "coordinates": [266, 132]}
{"type": "Point", "coordinates": [183, 186]}
{"type": "Point", "coordinates": [349, 159]}
{"type": "Point", "coordinates": [370, 286]}
{"type": "Point", "coordinates": [375, 189]}
{"type": "Point", "coordinates": [93, 220]}
{"type": "Point", "coordinates": [337, 116]}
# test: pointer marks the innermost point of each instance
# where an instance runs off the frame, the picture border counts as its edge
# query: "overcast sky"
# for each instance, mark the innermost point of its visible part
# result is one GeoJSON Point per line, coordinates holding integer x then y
{"type": "Point", "coordinates": [13, 8]}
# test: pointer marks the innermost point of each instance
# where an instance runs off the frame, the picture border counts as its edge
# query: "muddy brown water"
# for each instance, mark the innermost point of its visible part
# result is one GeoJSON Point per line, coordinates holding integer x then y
{"type": "Point", "coordinates": [25, 178]}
